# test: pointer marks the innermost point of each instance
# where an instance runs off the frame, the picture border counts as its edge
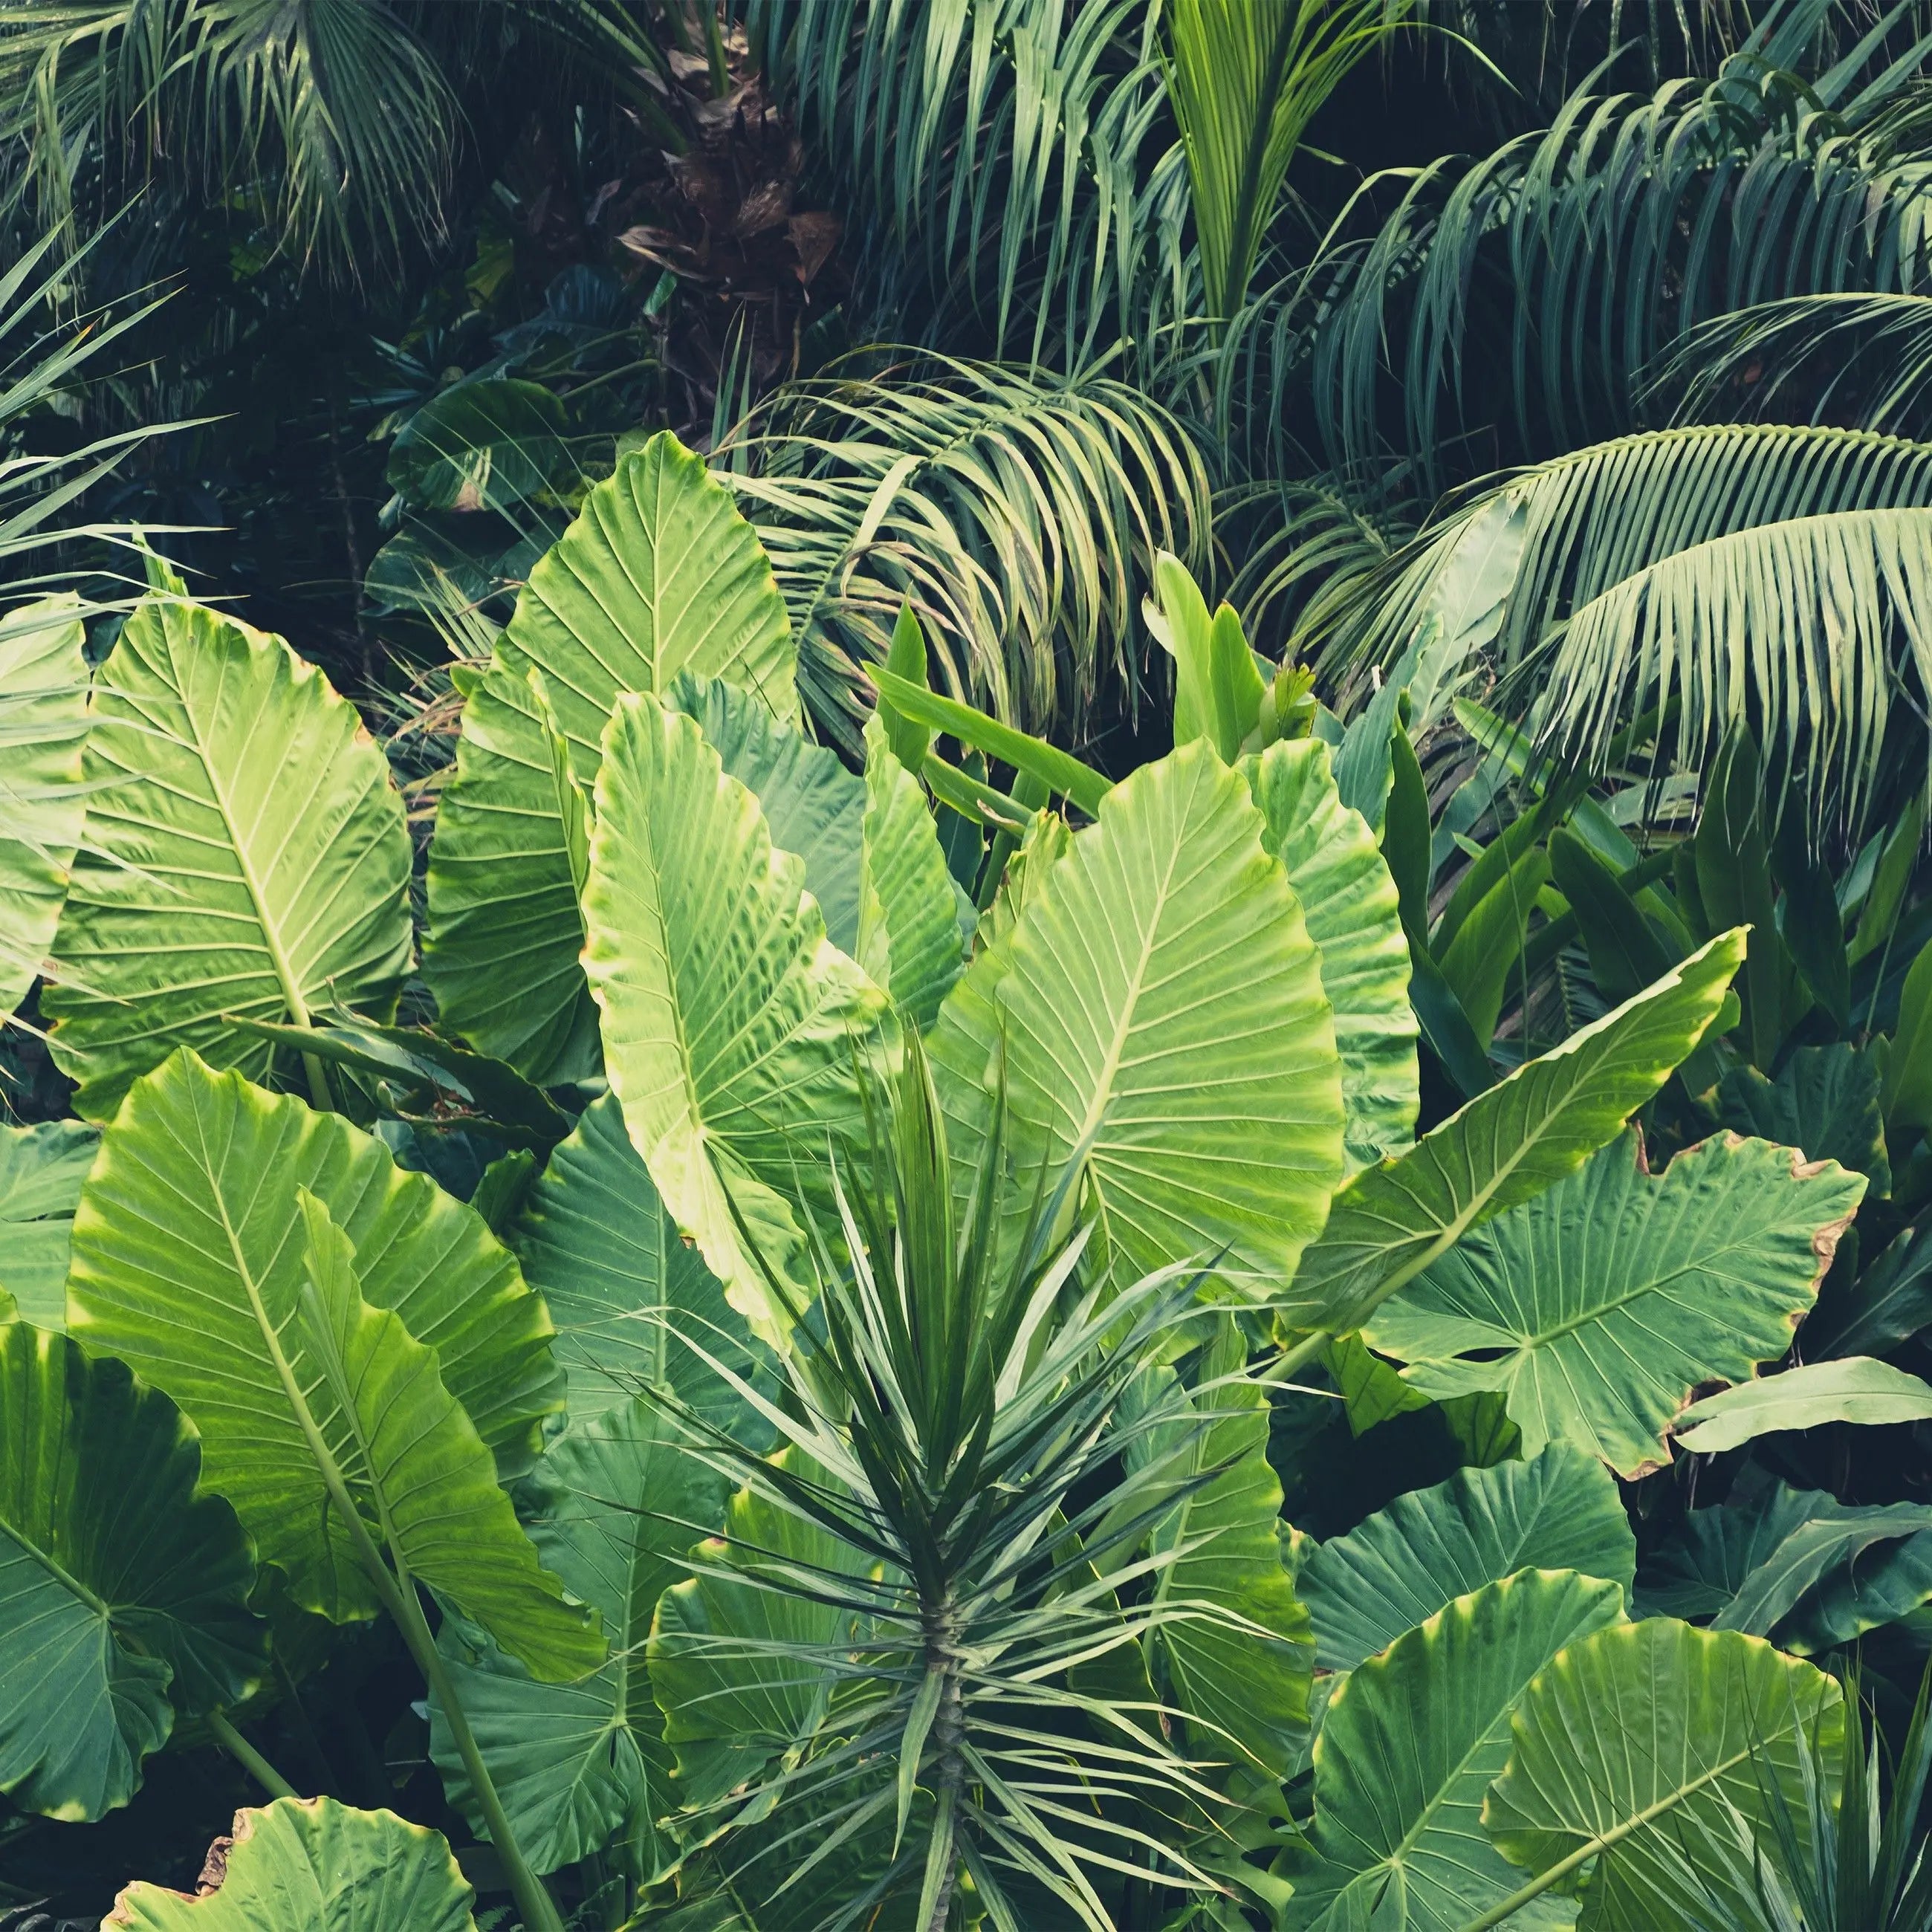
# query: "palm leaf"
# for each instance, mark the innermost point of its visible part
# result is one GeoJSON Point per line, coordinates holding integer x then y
{"type": "Point", "coordinates": [1590, 247]}
{"type": "Point", "coordinates": [1000, 165]}
{"type": "Point", "coordinates": [1020, 512]}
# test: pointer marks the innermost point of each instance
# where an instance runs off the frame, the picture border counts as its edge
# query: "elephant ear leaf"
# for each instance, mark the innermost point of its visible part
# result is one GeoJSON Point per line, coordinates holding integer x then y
{"type": "Point", "coordinates": [1411, 1740]}
{"type": "Point", "coordinates": [42, 1169]}
{"type": "Point", "coordinates": [613, 1508]}
{"type": "Point", "coordinates": [245, 853]}
{"type": "Point", "coordinates": [1237, 1643]}
{"type": "Point", "coordinates": [1559, 1511]}
{"type": "Point", "coordinates": [394, 1446]}
{"type": "Point", "coordinates": [659, 574]}
{"type": "Point", "coordinates": [731, 1024]}
{"type": "Point", "coordinates": [1158, 1012]}
{"type": "Point", "coordinates": [1507, 1145]}
{"type": "Point", "coordinates": [1599, 1306]}
{"type": "Point", "coordinates": [123, 1593]}
{"type": "Point", "coordinates": [909, 936]}
{"type": "Point", "coordinates": [1354, 912]}
{"type": "Point", "coordinates": [1648, 1736]}
{"type": "Point", "coordinates": [315, 1866]}
{"type": "Point", "coordinates": [737, 1659]}
{"type": "Point", "coordinates": [597, 1243]}
{"type": "Point", "coordinates": [189, 1264]}
{"type": "Point", "coordinates": [43, 803]}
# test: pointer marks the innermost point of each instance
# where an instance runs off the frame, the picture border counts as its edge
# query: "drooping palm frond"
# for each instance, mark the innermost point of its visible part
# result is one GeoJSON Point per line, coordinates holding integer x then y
{"type": "Point", "coordinates": [1863, 357]}
{"type": "Point", "coordinates": [1310, 544]}
{"type": "Point", "coordinates": [1588, 249]}
{"type": "Point", "coordinates": [1634, 586]}
{"type": "Point", "coordinates": [333, 112]}
{"type": "Point", "coordinates": [1020, 512]}
{"type": "Point", "coordinates": [1005, 165]}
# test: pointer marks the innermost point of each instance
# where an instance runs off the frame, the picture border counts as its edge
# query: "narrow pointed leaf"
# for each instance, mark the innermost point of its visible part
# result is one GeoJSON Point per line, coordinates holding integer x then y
{"type": "Point", "coordinates": [1506, 1146]}
{"type": "Point", "coordinates": [1854, 1388]}
{"type": "Point", "coordinates": [909, 936]}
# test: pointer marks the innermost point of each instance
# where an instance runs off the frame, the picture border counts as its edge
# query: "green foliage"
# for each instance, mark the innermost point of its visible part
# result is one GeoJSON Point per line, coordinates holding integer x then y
{"type": "Point", "coordinates": [318, 1867]}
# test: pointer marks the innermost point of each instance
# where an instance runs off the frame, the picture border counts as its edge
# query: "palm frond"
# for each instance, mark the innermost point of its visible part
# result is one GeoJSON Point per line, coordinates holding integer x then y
{"type": "Point", "coordinates": [1020, 512]}
{"type": "Point", "coordinates": [1246, 77]}
{"type": "Point", "coordinates": [1861, 358]}
{"type": "Point", "coordinates": [1814, 628]}
{"type": "Point", "coordinates": [1591, 247]}
{"type": "Point", "coordinates": [1008, 166]}
{"type": "Point", "coordinates": [332, 112]}
{"type": "Point", "coordinates": [1634, 555]}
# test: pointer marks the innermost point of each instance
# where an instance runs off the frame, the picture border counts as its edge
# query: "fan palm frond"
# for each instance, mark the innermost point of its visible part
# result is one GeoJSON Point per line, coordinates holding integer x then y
{"type": "Point", "coordinates": [1590, 248]}
{"type": "Point", "coordinates": [988, 152]}
{"type": "Point", "coordinates": [1020, 512]}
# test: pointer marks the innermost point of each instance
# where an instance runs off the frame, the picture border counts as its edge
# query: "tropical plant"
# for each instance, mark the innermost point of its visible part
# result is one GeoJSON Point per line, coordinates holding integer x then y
{"type": "Point", "coordinates": [1062, 1134]}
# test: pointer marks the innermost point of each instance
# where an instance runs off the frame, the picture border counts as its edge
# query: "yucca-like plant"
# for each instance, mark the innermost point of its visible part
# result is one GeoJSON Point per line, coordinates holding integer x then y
{"type": "Point", "coordinates": [927, 1582]}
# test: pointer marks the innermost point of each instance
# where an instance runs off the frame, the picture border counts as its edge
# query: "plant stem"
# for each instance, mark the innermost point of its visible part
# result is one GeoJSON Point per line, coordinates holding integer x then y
{"type": "Point", "coordinates": [250, 1760]}
{"type": "Point", "coordinates": [1294, 1359]}
{"type": "Point", "coordinates": [538, 1910]}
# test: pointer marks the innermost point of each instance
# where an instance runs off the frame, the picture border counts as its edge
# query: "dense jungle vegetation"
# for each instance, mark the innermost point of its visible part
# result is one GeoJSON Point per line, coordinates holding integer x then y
{"type": "Point", "coordinates": [968, 965]}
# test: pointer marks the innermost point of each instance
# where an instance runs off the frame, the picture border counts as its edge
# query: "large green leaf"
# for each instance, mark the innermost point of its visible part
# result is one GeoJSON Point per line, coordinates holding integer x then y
{"type": "Point", "coordinates": [315, 1866]}
{"type": "Point", "coordinates": [625, 1292]}
{"type": "Point", "coordinates": [734, 1658]}
{"type": "Point", "coordinates": [910, 940]}
{"type": "Point", "coordinates": [1507, 1145]}
{"type": "Point", "coordinates": [41, 1171]}
{"type": "Point", "coordinates": [188, 1251]}
{"type": "Point", "coordinates": [1236, 1641]}
{"type": "Point", "coordinates": [814, 807]}
{"type": "Point", "coordinates": [1598, 1306]}
{"type": "Point", "coordinates": [1640, 1740]}
{"type": "Point", "coordinates": [118, 1584]}
{"type": "Point", "coordinates": [1794, 1565]}
{"type": "Point", "coordinates": [368, 1399]}
{"type": "Point", "coordinates": [489, 445]}
{"type": "Point", "coordinates": [1408, 1745]}
{"type": "Point", "coordinates": [1825, 1102]}
{"type": "Point", "coordinates": [659, 575]}
{"type": "Point", "coordinates": [1850, 1388]}
{"type": "Point", "coordinates": [244, 853]}
{"type": "Point", "coordinates": [1158, 1007]}
{"type": "Point", "coordinates": [1559, 1511]}
{"type": "Point", "coordinates": [612, 1508]}
{"type": "Point", "coordinates": [730, 1022]}
{"type": "Point", "coordinates": [1353, 916]}
{"type": "Point", "coordinates": [43, 730]}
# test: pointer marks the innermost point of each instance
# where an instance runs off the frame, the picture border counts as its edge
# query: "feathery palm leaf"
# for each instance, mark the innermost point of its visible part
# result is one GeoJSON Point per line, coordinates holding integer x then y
{"type": "Point", "coordinates": [1591, 247]}
{"type": "Point", "coordinates": [1861, 358]}
{"type": "Point", "coordinates": [1763, 569]}
{"type": "Point", "coordinates": [1020, 512]}
{"type": "Point", "coordinates": [1008, 164]}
